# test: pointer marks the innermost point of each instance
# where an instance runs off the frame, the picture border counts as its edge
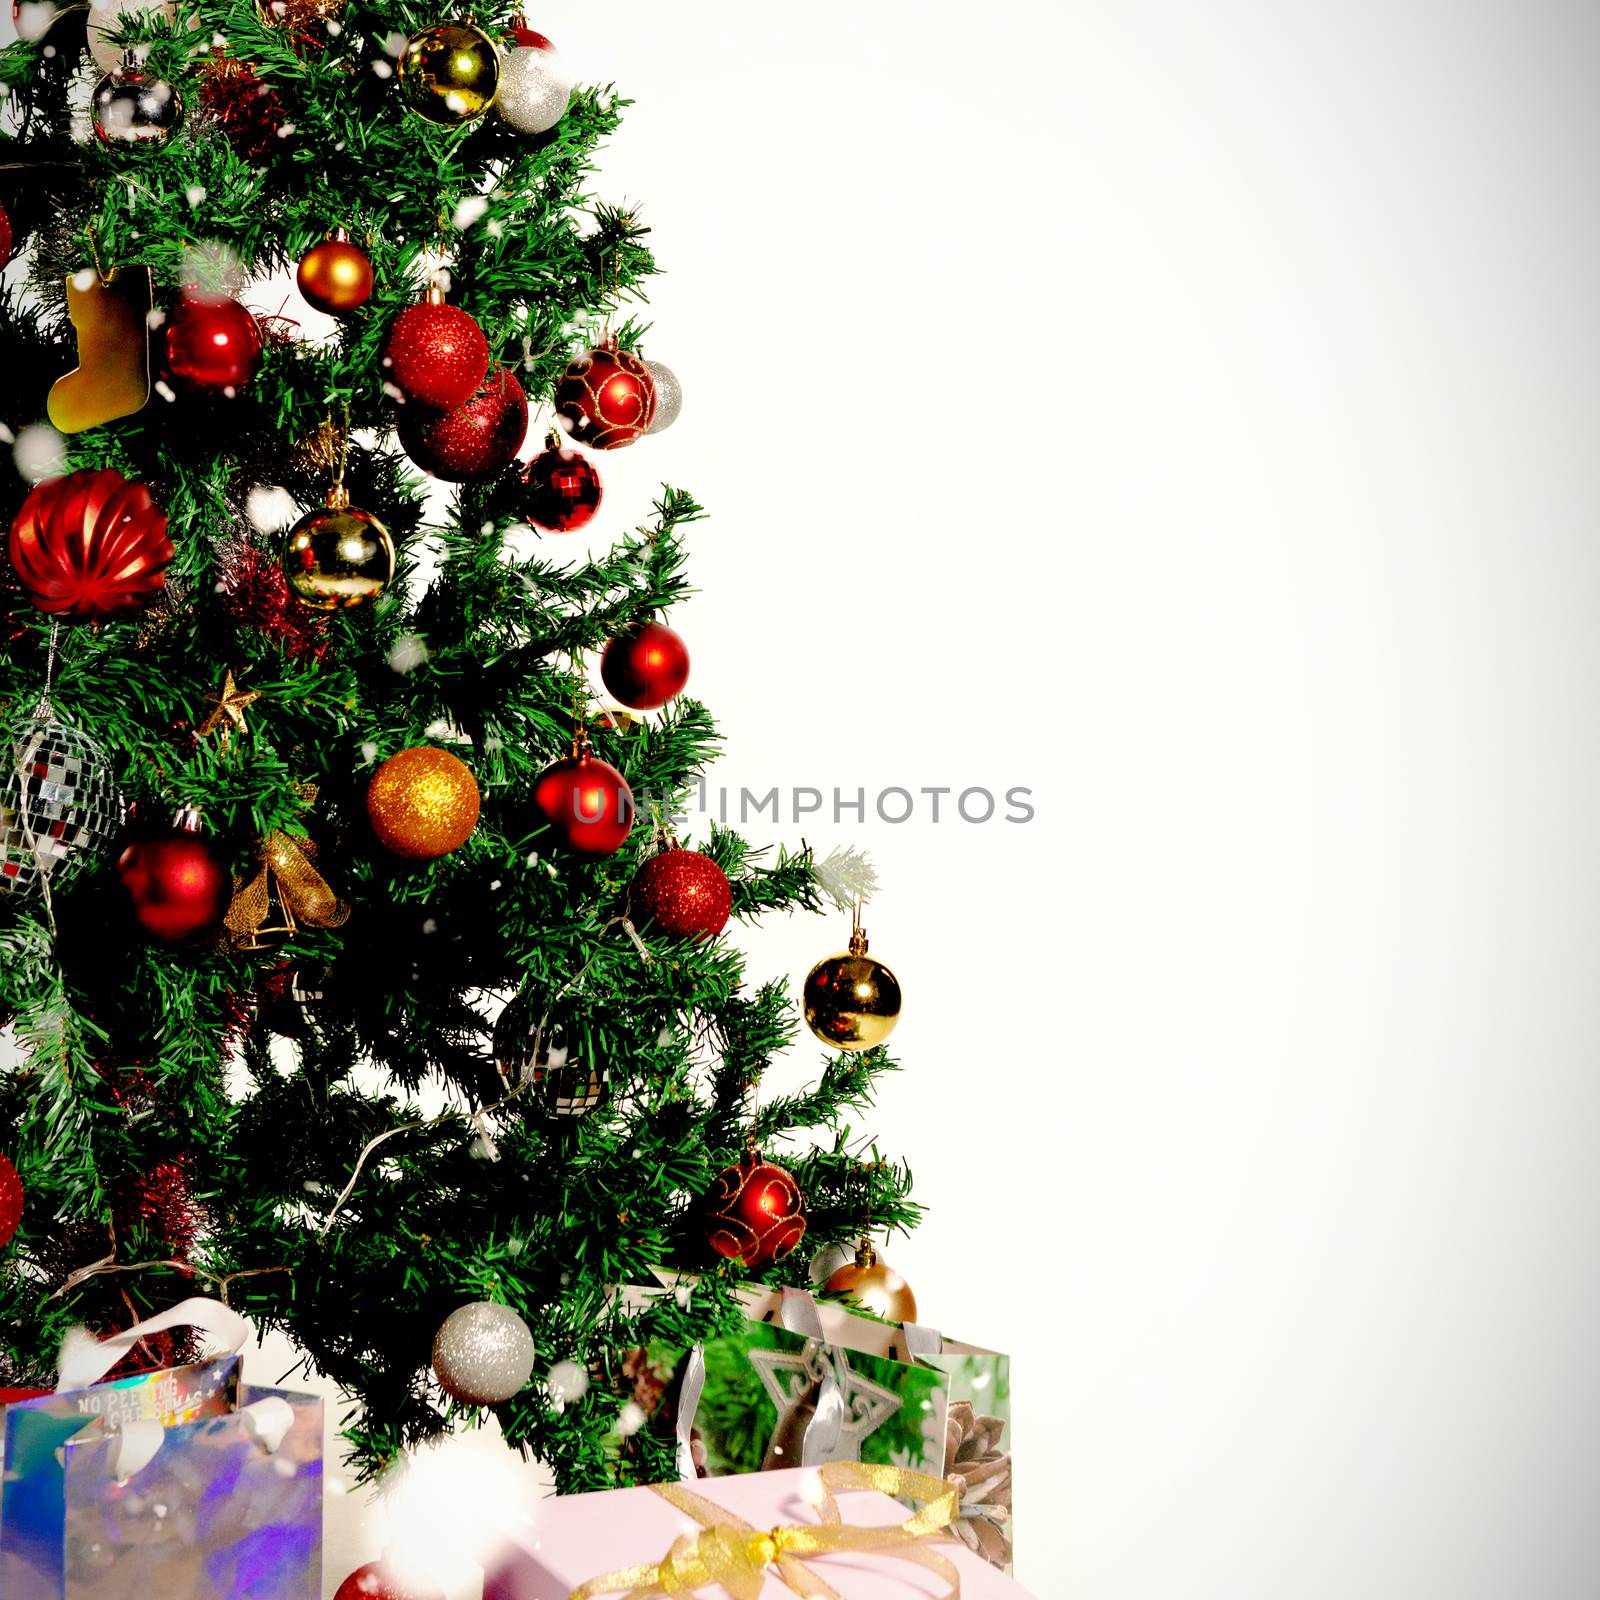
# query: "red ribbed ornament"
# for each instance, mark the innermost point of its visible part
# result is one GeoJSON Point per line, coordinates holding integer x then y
{"type": "Point", "coordinates": [477, 440]}
{"type": "Point", "coordinates": [90, 545]}
{"type": "Point", "coordinates": [683, 893]}
{"type": "Point", "coordinates": [437, 355]}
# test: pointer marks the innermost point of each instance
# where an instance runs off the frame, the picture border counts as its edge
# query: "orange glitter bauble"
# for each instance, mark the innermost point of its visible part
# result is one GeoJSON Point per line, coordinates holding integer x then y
{"type": "Point", "coordinates": [423, 803]}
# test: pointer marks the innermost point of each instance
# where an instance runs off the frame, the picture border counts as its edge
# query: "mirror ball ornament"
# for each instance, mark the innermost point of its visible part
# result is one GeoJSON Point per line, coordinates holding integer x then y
{"type": "Point", "coordinates": [586, 802]}
{"type": "Point", "coordinates": [474, 441]}
{"type": "Point", "coordinates": [874, 1285]}
{"type": "Point", "coordinates": [483, 1354]}
{"type": "Point", "coordinates": [375, 1582]}
{"type": "Point", "coordinates": [335, 276]}
{"type": "Point", "coordinates": [669, 396]}
{"type": "Point", "coordinates": [534, 92]}
{"type": "Point", "coordinates": [566, 1085]}
{"type": "Point", "coordinates": [563, 489]}
{"type": "Point", "coordinates": [213, 344]}
{"type": "Point", "coordinates": [423, 803]}
{"type": "Point", "coordinates": [11, 1198]}
{"type": "Point", "coordinates": [89, 546]}
{"type": "Point", "coordinates": [176, 881]}
{"type": "Point", "coordinates": [437, 355]}
{"type": "Point", "coordinates": [449, 73]}
{"type": "Point", "coordinates": [606, 399]}
{"type": "Point", "coordinates": [58, 788]}
{"type": "Point", "coordinates": [682, 893]}
{"type": "Point", "coordinates": [646, 666]}
{"type": "Point", "coordinates": [852, 1001]}
{"type": "Point", "coordinates": [755, 1213]}
{"type": "Point", "coordinates": [130, 108]}
{"type": "Point", "coordinates": [338, 556]}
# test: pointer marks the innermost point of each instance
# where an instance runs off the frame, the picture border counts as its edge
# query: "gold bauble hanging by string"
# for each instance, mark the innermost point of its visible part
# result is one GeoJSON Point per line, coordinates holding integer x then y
{"type": "Point", "coordinates": [875, 1286]}
{"type": "Point", "coordinates": [449, 73]}
{"type": "Point", "coordinates": [339, 556]}
{"type": "Point", "coordinates": [852, 1001]}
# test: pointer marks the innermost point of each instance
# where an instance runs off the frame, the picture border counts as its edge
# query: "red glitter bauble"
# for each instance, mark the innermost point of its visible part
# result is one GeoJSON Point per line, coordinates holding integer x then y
{"type": "Point", "coordinates": [587, 803]}
{"type": "Point", "coordinates": [373, 1582]}
{"type": "Point", "coordinates": [90, 545]}
{"type": "Point", "coordinates": [646, 666]}
{"type": "Point", "coordinates": [5, 237]}
{"type": "Point", "coordinates": [563, 490]}
{"type": "Point", "coordinates": [437, 355]}
{"type": "Point", "coordinates": [477, 440]}
{"type": "Point", "coordinates": [10, 1202]}
{"type": "Point", "coordinates": [607, 398]}
{"type": "Point", "coordinates": [213, 344]}
{"type": "Point", "coordinates": [684, 893]}
{"type": "Point", "coordinates": [755, 1213]}
{"type": "Point", "coordinates": [178, 886]}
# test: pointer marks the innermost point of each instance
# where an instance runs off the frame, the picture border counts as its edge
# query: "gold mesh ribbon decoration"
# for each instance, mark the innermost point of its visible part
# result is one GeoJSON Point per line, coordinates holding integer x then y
{"type": "Point", "coordinates": [731, 1553]}
{"type": "Point", "coordinates": [289, 885]}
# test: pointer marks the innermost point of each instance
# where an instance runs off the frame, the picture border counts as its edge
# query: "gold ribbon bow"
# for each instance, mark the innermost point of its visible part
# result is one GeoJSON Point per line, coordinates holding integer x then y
{"type": "Point", "coordinates": [729, 1552]}
{"type": "Point", "coordinates": [302, 893]}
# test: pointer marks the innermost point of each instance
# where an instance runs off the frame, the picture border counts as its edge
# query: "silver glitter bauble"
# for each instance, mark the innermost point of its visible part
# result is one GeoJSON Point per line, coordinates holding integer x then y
{"type": "Point", "coordinates": [59, 805]}
{"type": "Point", "coordinates": [568, 1080]}
{"type": "Point", "coordinates": [131, 108]}
{"type": "Point", "coordinates": [533, 92]}
{"type": "Point", "coordinates": [669, 397]}
{"type": "Point", "coordinates": [483, 1354]}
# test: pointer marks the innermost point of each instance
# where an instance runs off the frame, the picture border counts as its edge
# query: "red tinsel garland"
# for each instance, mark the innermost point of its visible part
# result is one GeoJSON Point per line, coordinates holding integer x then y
{"type": "Point", "coordinates": [254, 592]}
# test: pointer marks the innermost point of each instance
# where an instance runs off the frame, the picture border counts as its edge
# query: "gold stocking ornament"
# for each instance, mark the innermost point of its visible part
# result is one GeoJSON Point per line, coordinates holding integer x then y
{"type": "Point", "coordinates": [112, 378]}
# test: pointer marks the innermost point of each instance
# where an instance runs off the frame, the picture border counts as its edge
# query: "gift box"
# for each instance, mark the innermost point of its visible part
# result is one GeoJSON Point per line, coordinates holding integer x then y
{"type": "Point", "coordinates": [770, 1535]}
{"type": "Point", "coordinates": [185, 1484]}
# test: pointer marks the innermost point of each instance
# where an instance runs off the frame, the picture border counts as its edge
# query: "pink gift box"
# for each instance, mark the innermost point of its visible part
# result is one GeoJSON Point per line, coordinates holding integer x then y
{"type": "Point", "coordinates": [574, 1538]}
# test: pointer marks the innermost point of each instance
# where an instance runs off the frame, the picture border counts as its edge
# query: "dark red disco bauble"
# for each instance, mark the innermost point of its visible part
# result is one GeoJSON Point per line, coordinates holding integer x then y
{"type": "Point", "coordinates": [477, 440]}
{"type": "Point", "coordinates": [563, 490]}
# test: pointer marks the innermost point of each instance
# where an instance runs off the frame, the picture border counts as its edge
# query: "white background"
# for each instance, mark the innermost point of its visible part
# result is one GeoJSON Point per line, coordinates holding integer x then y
{"type": "Point", "coordinates": [1188, 411]}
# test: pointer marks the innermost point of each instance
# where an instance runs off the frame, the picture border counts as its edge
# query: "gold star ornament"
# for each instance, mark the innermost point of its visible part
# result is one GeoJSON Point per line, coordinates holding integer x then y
{"type": "Point", "coordinates": [228, 705]}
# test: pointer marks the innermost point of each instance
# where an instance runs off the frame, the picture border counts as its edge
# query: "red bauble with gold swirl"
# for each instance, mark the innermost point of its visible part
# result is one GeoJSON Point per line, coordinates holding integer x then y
{"type": "Point", "coordinates": [682, 893]}
{"type": "Point", "coordinates": [607, 398]}
{"type": "Point", "coordinates": [755, 1213]}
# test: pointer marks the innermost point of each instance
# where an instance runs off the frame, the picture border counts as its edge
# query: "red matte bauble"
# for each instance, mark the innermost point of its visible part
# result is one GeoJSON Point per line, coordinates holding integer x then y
{"type": "Point", "coordinates": [587, 803]}
{"type": "Point", "coordinates": [372, 1582]}
{"type": "Point", "coordinates": [755, 1214]}
{"type": "Point", "coordinates": [646, 666]}
{"type": "Point", "coordinates": [607, 398]}
{"type": "Point", "coordinates": [178, 885]}
{"type": "Point", "coordinates": [563, 491]}
{"type": "Point", "coordinates": [477, 440]}
{"type": "Point", "coordinates": [683, 893]}
{"type": "Point", "coordinates": [335, 276]}
{"type": "Point", "coordinates": [213, 345]}
{"type": "Point", "coordinates": [437, 355]}
{"type": "Point", "coordinates": [10, 1202]}
{"type": "Point", "coordinates": [90, 545]}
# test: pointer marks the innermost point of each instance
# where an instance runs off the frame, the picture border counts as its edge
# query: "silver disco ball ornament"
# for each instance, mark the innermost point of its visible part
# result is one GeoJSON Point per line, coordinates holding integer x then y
{"type": "Point", "coordinates": [568, 1081]}
{"type": "Point", "coordinates": [59, 805]}
{"type": "Point", "coordinates": [533, 91]}
{"type": "Point", "coordinates": [483, 1354]}
{"type": "Point", "coordinates": [132, 108]}
{"type": "Point", "coordinates": [669, 397]}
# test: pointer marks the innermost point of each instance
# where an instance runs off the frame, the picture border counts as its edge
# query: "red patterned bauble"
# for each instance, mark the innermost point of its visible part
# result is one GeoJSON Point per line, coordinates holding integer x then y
{"type": "Point", "coordinates": [645, 666]}
{"type": "Point", "coordinates": [563, 489]}
{"type": "Point", "coordinates": [477, 440]}
{"type": "Point", "coordinates": [374, 1582]}
{"type": "Point", "coordinates": [607, 398]}
{"type": "Point", "coordinates": [587, 803]}
{"type": "Point", "coordinates": [178, 886]}
{"type": "Point", "coordinates": [90, 545]}
{"type": "Point", "coordinates": [437, 355]}
{"type": "Point", "coordinates": [213, 344]}
{"type": "Point", "coordinates": [683, 893]}
{"type": "Point", "coordinates": [755, 1213]}
{"type": "Point", "coordinates": [10, 1202]}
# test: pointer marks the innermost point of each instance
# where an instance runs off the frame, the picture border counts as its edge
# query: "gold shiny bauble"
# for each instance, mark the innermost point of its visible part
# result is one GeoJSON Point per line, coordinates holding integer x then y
{"type": "Point", "coordinates": [449, 73]}
{"type": "Point", "coordinates": [338, 557]}
{"type": "Point", "coordinates": [423, 803]}
{"type": "Point", "coordinates": [876, 1287]}
{"type": "Point", "coordinates": [852, 1001]}
{"type": "Point", "coordinates": [335, 276]}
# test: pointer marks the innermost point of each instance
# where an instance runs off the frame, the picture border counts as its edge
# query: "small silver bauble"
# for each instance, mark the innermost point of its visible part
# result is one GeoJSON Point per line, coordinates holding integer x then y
{"type": "Point", "coordinates": [132, 108]}
{"type": "Point", "coordinates": [669, 397]}
{"type": "Point", "coordinates": [533, 92]}
{"type": "Point", "coordinates": [483, 1354]}
{"type": "Point", "coordinates": [828, 1260]}
{"type": "Point", "coordinates": [59, 806]}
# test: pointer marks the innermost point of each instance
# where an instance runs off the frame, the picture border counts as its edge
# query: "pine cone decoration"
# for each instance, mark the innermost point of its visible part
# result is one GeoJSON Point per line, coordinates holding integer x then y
{"type": "Point", "coordinates": [974, 1461]}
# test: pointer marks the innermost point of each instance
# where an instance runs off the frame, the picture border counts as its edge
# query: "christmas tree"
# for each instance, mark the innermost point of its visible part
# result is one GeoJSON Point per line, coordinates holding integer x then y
{"type": "Point", "coordinates": [359, 975]}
